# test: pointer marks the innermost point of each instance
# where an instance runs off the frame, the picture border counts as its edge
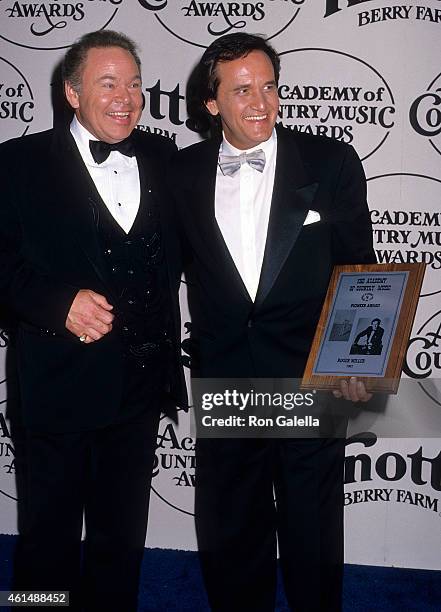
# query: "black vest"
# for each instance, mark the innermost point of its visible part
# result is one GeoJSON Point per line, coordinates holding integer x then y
{"type": "Point", "coordinates": [142, 309]}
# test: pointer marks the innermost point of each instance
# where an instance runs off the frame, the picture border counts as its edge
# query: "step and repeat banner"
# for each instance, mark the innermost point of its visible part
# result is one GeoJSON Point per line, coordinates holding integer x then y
{"type": "Point", "coordinates": [366, 72]}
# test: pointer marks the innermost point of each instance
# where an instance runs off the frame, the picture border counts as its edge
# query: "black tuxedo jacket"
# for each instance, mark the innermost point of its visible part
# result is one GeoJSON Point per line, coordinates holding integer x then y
{"type": "Point", "coordinates": [376, 339]}
{"type": "Point", "coordinates": [270, 337]}
{"type": "Point", "coordinates": [48, 251]}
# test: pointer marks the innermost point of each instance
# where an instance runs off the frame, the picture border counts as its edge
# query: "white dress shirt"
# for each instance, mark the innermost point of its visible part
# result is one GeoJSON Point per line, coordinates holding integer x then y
{"type": "Point", "coordinates": [116, 179]}
{"type": "Point", "coordinates": [242, 209]}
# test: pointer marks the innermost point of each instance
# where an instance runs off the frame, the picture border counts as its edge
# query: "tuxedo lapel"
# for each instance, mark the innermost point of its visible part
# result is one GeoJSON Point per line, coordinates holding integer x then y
{"type": "Point", "coordinates": [80, 200]}
{"type": "Point", "coordinates": [293, 194]}
{"type": "Point", "coordinates": [148, 172]}
{"type": "Point", "coordinates": [206, 215]}
{"type": "Point", "coordinates": [151, 189]}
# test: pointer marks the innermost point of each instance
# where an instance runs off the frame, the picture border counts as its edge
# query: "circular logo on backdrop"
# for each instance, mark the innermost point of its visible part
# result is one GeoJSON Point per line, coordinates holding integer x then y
{"type": "Point", "coordinates": [53, 25]}
{"type": "Point", "coordinates": [7, 451]}
{"type": "Point", "coordinates": [331, 93]}
{"type": "Point", "coordinates": [406, 221]}
{"type": "Point", "coordinates": [423, 358]}
{"type": "Point", "coordinates": [16, 101]}
{"type": "Point", "coordinates": [174, 467]}
{"type": "Point", "coordinates": [425, 114]}
{"type": "Point", "coordinates": [198, 23]}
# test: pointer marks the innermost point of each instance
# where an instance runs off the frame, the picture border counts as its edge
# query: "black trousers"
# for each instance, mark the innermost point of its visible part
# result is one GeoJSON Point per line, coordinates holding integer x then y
{"type": "Point", "coordinates": [106, 475]}
{"type": "Point", "coordinates": [237, 521]}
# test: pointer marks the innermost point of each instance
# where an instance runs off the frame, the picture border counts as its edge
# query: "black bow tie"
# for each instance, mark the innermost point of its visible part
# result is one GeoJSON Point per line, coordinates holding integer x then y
{"type": "Point", "coordinates": [101, 150]}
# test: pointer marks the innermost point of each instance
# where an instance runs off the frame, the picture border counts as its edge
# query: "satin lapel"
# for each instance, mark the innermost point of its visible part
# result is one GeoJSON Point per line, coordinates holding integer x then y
{"type": "Point", "coordinates": [293, 194]}
{"type": "Point", "coordinates": [205, 216]}
{"type": "Point", "coordinates": [147, 177]}
{"type": "Point", "coordinates": [150, 169]}
{"type": "Point", "coordinates": [80, 200]}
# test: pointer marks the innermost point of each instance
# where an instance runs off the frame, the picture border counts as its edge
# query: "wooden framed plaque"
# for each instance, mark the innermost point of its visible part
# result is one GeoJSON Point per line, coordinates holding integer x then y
{"type": "Point", "coordinates": [364, 326]}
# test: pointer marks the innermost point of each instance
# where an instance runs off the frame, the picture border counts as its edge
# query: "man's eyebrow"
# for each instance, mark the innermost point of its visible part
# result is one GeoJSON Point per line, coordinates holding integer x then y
{"type": "Point", "coordinates": [241, 86]}
{"type": "Point", "coordinates": [112, 77]}
{"type": "Point", "coordinates": [245, 85]}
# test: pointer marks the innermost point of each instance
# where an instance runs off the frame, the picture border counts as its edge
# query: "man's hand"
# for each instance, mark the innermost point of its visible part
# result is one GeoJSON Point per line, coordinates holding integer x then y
{"type": "Point", "coordinates": [89, 316]}
{"type": "Point", "coordinates": [353, 391]}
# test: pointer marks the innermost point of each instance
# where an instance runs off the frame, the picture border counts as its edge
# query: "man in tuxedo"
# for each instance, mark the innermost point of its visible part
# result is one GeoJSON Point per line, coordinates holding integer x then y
{"type": "Point", "coordinates": [266, 213]}
{"type": "Point", "coordinates": [373, 335]}
{"type": "Point", "coordinates": [89, 264]}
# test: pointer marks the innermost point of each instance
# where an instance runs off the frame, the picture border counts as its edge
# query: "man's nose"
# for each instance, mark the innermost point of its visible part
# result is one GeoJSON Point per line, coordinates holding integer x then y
{"type": "Point", "coordinates": [122, 94]}
{"type": "Point", "coordinates": [258, 100]}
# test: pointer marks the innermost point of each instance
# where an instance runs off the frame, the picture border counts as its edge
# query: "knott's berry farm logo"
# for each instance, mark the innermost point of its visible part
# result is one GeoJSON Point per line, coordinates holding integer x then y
{"type": "Point", "coordinates": [425, 114]}
{"type": "Point", "coordinates": [198, 23]}
{"type": "Point", "coordinates": [53, 24]}
{"type": "Point", "coordinates": [162, 103]}
{"type": "Point", "coordinates": [336, 94]}
{"type": "Point", "coordinates": [412, 479]}
{"type": "Point", "coordinates": [16, 102]}
{"type": "Point", "coordinates": [372, 14]}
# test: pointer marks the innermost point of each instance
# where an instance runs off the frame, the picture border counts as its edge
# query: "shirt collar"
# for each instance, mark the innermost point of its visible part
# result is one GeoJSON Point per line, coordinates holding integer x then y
{"type": "Point", "coordinates": [268, 146]}
{"type": "Point", "coordinates": [82, 137]}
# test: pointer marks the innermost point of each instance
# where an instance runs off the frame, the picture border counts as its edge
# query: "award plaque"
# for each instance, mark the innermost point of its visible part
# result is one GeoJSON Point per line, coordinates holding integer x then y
{"type": "Point", "coordinates": [364, 326]}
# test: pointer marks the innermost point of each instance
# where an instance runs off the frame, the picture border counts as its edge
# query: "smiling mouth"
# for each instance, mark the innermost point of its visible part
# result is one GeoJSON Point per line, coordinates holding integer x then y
{"type": "Point", "coordinates": [256, 118]}
{"type": "Point", "coordinates": [119, 115]}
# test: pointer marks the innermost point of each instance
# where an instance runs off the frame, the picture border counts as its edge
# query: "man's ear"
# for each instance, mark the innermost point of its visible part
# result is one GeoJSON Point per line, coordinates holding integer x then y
{"type": "Point", "coordinates": [71, 95]}
{"type": "Point", "coordinates": [212, 107]}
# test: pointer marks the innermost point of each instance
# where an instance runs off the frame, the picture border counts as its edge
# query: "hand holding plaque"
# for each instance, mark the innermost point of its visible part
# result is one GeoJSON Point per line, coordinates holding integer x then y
{"type": "Point", "coordinates": [365, 326]}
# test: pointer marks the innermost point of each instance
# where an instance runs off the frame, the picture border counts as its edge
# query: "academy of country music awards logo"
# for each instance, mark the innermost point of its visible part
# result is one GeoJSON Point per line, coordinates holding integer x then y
{"type": "Point", "coordinates": [423, 357]}
{"type": "Point", "coordinates": [16, 101]}
{"type": "Point", "coordinates": [7, 453]}
{"type": "Point", "coordinates": [425, 113]}
{"type": "Point", "coordinates": [198, 22]}
{"type": "Point", "coordinates": [53, 24]}
{"type": "Point", "coordinates": [406, 221]}
{"type": "Point", "coordinates": [405, 212]}
{"type": "Point", "coordinates": [375, 12]}
{"type": "Point", "coordinates": [174, 466]}
{"type": "Point", "coordinates": [7, 450]}
{"type": "Point", "coordinates": [336, 94]}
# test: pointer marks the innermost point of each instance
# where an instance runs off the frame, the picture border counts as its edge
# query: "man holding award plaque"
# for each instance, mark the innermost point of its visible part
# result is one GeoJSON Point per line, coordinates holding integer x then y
{"type": "Point", "coordinates": [266, 214]}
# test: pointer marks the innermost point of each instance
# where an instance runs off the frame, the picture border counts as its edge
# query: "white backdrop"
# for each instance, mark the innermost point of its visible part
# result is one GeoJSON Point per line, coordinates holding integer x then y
{"type": "Point", "coordinates": [364, 71]}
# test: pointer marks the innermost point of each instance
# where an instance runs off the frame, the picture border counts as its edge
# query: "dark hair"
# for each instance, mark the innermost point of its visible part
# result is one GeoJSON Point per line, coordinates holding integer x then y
{"type": "Point", "coordinates": [379, 320]}
{"type": "Point", "coordinates": [204, 80]}
{"type": "Point", "coordinates": [72, 65]}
